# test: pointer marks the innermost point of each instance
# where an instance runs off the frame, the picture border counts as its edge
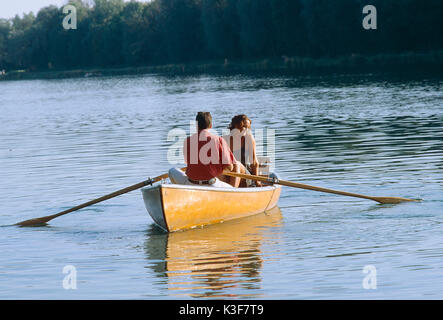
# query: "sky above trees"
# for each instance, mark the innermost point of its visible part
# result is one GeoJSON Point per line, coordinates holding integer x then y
{"type": "Point", "coordinates": [8, 9]}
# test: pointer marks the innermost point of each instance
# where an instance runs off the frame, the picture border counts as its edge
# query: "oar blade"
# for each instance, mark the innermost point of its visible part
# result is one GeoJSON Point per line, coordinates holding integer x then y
{"type": "Point", "coordinates": [37, 222]}
{"type": "Point", "coordinates": [393, 200]}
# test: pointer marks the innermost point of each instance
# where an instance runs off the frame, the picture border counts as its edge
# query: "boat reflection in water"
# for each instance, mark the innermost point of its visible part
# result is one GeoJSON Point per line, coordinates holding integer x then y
{"type": "Point", "coordinates": [221, 260]}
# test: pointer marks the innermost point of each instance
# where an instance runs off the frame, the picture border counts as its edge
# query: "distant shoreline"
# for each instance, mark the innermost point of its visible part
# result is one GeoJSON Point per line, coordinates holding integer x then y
{"type": "Point", "coordinates": [408, 62]}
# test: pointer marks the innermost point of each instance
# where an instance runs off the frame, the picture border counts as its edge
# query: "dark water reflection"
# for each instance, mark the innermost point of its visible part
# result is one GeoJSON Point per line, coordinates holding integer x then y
{"type": "Point", "coordinates": [207, 262]}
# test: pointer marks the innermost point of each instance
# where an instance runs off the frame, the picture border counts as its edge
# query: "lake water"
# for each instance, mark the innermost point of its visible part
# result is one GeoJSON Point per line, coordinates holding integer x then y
{"type": "Point", "coordinates": [64, 142]}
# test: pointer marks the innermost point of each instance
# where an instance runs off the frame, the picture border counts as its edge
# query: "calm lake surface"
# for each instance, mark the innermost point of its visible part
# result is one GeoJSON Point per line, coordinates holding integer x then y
{"type": "Point", "coordinates": [64, 142]}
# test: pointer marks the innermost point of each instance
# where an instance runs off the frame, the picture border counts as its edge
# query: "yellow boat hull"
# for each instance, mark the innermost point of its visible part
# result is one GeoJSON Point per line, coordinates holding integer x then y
{"type": "Point", "coordinates": [180, 207]}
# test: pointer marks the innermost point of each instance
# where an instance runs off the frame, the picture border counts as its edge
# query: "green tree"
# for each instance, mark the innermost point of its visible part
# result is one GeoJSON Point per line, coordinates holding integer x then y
{"type": "Point", "coordinates": [181, 29]}
{"type": "Point", "coordinates": [45, 46]}
{"type": "Point", "coordinates": [118, 33]}
{"type": "Point", "coordinates": [5, 29]}
{"type": "Point", "coordinates": [105, 33]}
{"type": "Point", "coordinates": [256, 28]}
{"type": "Point", "coordinates": [19, 42]}
{"type": "Point", "coordinates": [289, 30]}
{"type": "Point", "coordinates": [134, 34]}
{"type": "Point", "coordinates": [221, 28]}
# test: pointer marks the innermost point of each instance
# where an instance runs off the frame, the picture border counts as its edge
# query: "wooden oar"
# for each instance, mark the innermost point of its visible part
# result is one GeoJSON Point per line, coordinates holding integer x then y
{"type": "Point", "coordinates": [383, 200]}
{"type": "Point", "coordinates": [43, 220]}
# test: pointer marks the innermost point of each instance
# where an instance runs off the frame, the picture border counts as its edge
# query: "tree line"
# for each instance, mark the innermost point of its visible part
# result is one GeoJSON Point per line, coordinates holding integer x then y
{"type": "Point", "coordinates": [114, 33]}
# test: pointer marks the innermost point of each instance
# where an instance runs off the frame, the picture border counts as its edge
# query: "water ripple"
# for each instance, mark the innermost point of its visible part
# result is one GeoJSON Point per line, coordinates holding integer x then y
{"type": "Point", "coordinates": [64, 142]}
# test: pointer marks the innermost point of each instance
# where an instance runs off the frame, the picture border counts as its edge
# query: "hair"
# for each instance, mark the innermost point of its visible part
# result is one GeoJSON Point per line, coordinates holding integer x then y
{"type": "Point", "coordinates": [204, 120]}
{"type": "Point", "coordinates": [238, 120]}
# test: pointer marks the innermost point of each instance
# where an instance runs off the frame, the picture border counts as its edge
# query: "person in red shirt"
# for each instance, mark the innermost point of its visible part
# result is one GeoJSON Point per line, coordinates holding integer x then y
{"type": "Point", "coordinates": [207, 156]}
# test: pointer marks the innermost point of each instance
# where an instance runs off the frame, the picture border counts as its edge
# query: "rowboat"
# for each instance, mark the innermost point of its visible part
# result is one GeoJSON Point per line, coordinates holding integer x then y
{"type": "Point", "coordinates": [176, 207]}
